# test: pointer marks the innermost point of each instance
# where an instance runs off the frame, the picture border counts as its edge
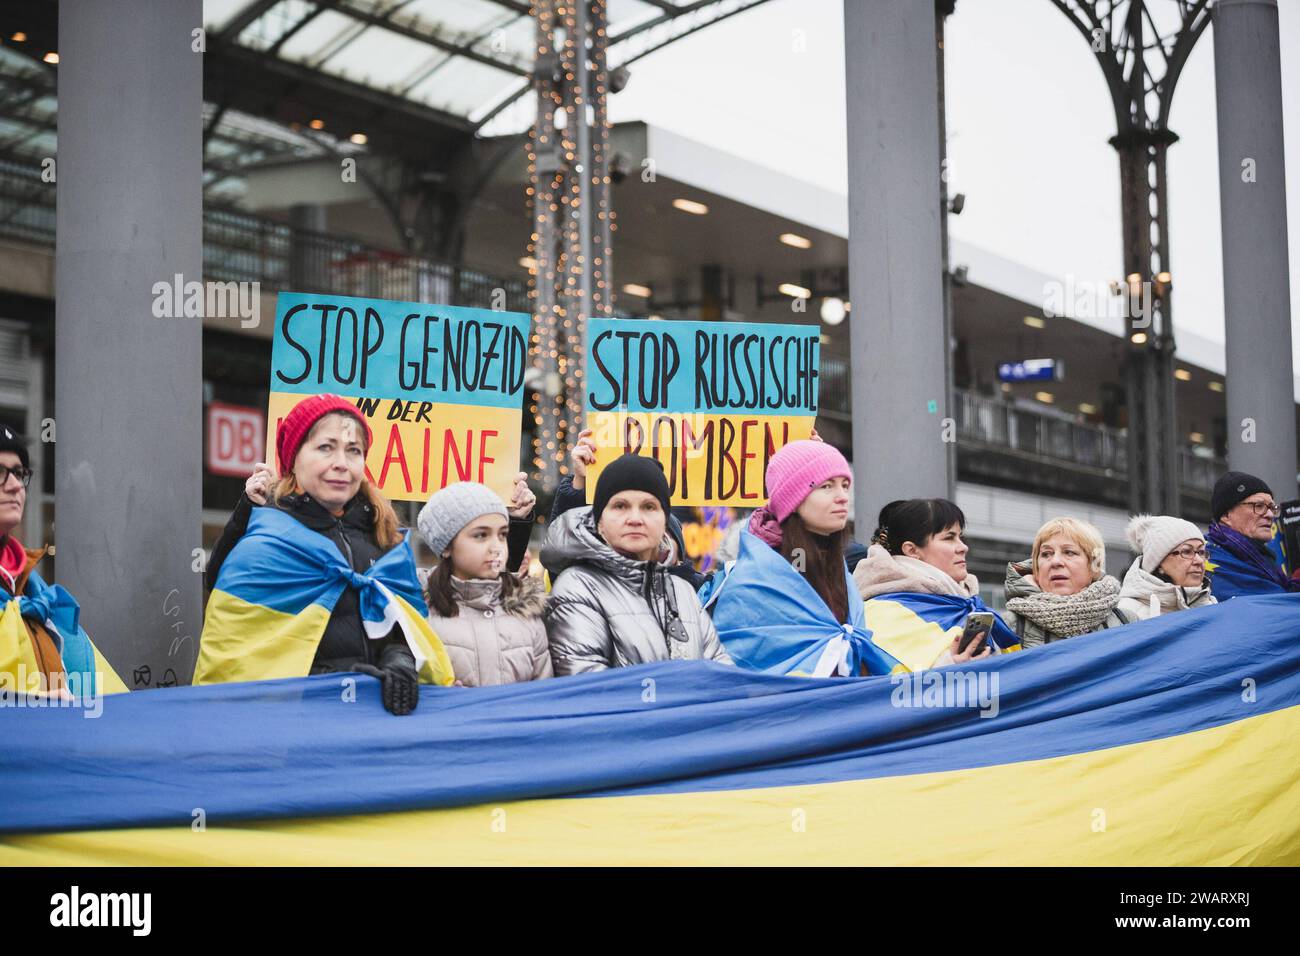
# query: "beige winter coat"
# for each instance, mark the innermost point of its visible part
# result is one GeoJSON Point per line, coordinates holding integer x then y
{"type": "Point", "coordinates": [494, 643]}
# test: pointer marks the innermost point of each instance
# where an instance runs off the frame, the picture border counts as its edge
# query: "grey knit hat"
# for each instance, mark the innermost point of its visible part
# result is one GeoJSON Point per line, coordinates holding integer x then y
{"type": "Point", "coordinates": [449, 510]}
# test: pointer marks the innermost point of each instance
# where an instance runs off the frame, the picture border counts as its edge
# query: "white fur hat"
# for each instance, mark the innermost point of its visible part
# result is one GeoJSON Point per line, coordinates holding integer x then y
{"type": "Point", "coordinates": [1154, 536]}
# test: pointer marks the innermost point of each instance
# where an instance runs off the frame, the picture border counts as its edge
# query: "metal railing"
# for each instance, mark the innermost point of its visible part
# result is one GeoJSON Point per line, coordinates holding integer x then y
{"type": "Point", "coordinates": [243, 248]}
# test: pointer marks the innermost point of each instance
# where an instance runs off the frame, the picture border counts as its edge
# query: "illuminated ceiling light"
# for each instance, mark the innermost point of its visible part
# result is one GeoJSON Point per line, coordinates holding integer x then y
{"type": "Point", "coordinates": [1138, 338]}
{"type": "Point", "coordinates": [1183, 375]}
{"type": "Point", "coordinates": [824, 339]}
{"type": "Point", "coordinates": [1006, 387]}
{"type": "Point", "coordinates": [799, 242]}
{"type": "Point", "coordinates": [797, 291]}
{"type": "Point", "coordinates": [691, 206]}
{"type": "Point", "coordinates": [1216, 386]}
{"type": "Point", "coordinates": [655, 318]}
{"type": "Point", "coordinates": [1045, 397]}
{"type": "Point", "coordinates": [528, 262]}
{"type": "Point", "coordinates": [833, 311]}
{"type": "Point", "coordinates": [1088, 408]}
{"type": "Point", "coordinates": [1164, 277]}
{"type": "Point", "coordinates": [359, 138]}
{"type": "Point", "coordinates": [51, 58]}
{"type": "Point", "coordinates": [19, 37]}
{"type": "Point", "coordinates": [1034, 322]}
{"type": "Point", "coordinates": [638, 290]}
{"type": "Point", "coordinates": [317, 124]}
{"type": "Point", "coordinates": [1197, 438]}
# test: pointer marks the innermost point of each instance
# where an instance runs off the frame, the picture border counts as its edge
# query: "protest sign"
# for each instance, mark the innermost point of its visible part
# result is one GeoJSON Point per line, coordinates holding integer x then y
{"type": "Point", "coordinates": [441, 386]}
{"type": "Point", "coordinates": [712, 401]}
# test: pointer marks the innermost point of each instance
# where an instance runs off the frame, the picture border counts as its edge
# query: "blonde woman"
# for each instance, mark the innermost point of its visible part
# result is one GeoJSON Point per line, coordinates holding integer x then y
{"type": "Point", "coordinates": [1063, 590]}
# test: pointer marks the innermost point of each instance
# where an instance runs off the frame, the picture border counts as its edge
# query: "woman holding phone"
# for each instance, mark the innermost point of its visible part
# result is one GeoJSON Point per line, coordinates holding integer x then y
{"type": "Point", "coordinates": [919, 594]}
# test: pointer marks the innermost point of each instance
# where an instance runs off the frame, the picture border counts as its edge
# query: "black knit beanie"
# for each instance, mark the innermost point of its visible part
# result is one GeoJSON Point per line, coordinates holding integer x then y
{"type": "Point", "coordinates": [10, 441]}
{"type": "Point", "coordinates": [630, 473]}
{"type": "Point", "coordinates": [1232, 489]}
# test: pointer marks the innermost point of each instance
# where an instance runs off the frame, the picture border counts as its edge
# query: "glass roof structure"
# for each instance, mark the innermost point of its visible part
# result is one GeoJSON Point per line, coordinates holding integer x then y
{"type": "Point", "coordinates": [413, 74]}
{"type": "Point", "coordinates": [471, 59]}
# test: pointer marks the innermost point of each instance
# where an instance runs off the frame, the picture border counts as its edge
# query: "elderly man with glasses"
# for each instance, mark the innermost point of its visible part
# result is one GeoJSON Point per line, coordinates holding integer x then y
{"type": "Point", "coordinates": [43, 649]}
{"type": "Point", "coordinates": [1239, 559]}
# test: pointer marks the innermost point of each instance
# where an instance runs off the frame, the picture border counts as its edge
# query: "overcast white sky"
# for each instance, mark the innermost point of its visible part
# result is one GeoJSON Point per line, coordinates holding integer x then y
{"type": "Point", "coordinates": [1028, 122]}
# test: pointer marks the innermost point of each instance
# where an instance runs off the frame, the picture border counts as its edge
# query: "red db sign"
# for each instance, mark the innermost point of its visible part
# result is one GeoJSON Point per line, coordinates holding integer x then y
{"type": "Point", "coordinates": [236, 437]}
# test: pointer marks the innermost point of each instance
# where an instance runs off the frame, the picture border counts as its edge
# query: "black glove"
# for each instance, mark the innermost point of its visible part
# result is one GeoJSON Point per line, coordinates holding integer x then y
{"type": "Point", "coordinates": [399, 683]}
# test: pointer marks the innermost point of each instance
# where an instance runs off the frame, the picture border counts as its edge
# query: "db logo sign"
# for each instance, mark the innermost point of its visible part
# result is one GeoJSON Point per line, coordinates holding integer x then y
{"type": "Point", "coordinates": [236, 437]}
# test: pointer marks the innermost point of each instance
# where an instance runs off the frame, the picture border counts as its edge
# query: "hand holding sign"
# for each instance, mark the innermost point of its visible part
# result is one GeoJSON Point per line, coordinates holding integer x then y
{"type": "Point", "coordinates": [259, 483]}
{"type": "Point", "coordinates": [521, 505]}
{"type": "Point", "coordinates": [583, 454]}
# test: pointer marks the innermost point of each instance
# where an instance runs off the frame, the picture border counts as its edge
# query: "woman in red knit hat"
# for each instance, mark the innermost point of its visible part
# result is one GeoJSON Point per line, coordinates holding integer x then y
{"type": "Point", "coordinates": [321, 450]}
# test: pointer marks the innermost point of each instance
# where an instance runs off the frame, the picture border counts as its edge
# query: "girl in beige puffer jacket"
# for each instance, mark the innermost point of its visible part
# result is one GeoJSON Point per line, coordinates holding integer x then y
{"type": "Point", "coordinates": [489, 620]}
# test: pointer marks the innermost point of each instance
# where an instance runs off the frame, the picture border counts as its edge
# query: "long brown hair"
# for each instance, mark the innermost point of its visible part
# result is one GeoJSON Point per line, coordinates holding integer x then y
{"type": "Point", "coordinates": [822, 557]}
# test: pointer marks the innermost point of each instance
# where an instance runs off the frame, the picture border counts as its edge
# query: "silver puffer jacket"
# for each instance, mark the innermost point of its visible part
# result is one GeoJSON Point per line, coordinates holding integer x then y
{"type": "Point", "coordinates": [606, 610]}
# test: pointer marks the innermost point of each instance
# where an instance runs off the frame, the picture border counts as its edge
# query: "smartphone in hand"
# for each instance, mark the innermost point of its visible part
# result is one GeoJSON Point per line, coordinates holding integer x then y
{"type": "Point", "coordinates": [977, 622]}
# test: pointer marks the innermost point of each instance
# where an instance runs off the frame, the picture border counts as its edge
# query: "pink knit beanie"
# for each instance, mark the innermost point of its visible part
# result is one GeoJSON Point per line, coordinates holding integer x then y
{"type": "Point", "coordinates": [797, 469]}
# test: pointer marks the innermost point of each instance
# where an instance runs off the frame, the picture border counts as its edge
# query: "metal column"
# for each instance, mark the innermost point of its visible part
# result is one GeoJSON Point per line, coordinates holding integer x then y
{"type": "Point", "coordinates": [128, 384]}
{"type": "Point", "coordinates": [899, 392]}
{"type": "Point", "coordinates": [1252, 199]}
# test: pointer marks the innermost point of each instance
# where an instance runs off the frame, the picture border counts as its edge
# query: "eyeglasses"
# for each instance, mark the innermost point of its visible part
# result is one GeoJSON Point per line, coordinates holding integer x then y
{"type": "Point", "coordinates": [1188, 553]}
{"type": "Point", "coordinates": [22, 474]}
{"type": "Point", "coordinates": [1264, 507]}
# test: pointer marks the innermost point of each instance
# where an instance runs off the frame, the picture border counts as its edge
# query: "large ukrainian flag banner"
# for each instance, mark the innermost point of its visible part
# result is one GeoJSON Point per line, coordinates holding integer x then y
{"type": "Point", "coordinates": [1169, 742]}
{"type": "Point", "coordinates": [275, 594]}
{"type": "Point", "coordinates": [441, 386]}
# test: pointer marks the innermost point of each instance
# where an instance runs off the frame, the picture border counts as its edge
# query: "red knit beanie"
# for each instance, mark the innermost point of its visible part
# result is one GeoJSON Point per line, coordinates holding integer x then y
{"type": "Point", "coordinates": [302, 418]}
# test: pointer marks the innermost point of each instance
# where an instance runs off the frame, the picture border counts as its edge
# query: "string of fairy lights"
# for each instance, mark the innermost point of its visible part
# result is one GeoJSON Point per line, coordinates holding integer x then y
{"type": "Point", "coordinates": [569, 274]}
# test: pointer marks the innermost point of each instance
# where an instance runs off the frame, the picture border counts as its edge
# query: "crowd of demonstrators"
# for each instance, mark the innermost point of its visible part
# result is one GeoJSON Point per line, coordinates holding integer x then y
{"type": "Point", "coordinates": [1168, 573]}
{"type": "Point", "coordinates": [488, 618]}
{"type": "Point", "coordinates": [918, 549]}
{"type": "Point", "coordinates": [784, 604]}
{"type": "Point", "coordinates": [800, 597]}
{"type": "Point", "coordinates": [1239, 559]}
{"type": "Point", "coordinates": [1063, 590]}
{"type": "Point", "coordinates": [614, 600]}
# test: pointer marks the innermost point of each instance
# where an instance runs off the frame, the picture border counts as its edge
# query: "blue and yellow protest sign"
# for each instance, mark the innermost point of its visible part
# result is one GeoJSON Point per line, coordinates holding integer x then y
{"type": "Point", "coordinates": [442, 386]}
{"type": "Point", "coordinates": [712, 401]}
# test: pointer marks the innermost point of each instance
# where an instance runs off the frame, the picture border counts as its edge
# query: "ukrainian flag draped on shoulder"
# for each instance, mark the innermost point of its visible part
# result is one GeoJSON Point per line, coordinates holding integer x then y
{"type": "Point", "coordinates": [277, 589]}
{"type": "Point", "coordinates": [1236, 566]}
{"type": "Point", "coordinates": [916, 628]}
{"type": "Point", "coordinates": [770, 619]}
{"type": "Point", "coordinates": [53, 607]}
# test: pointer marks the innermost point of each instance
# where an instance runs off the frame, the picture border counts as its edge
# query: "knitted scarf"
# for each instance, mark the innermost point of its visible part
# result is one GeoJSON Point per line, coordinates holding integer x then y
{"type": "Point", "coordinates": [1069, 615]}
{"type": "Point", "coordinates": [1256, 556]}
{"type": "Point", "coordinates": [764, 526]}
